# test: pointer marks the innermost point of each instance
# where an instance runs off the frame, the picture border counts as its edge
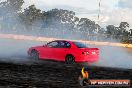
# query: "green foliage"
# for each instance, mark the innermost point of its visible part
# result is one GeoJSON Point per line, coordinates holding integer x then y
{"type": "Point", "coordinates": [86, 25]}
{"type": "Point", "coordinates": [9, 11]}
{"type": "Point", "coordinates": [31, 14]}
{"type": "Point", "coordinates": [62, 20]}
{"type": "Point", "coordinates": [121, 32]}
{"type": "Point", "coordinates": [11, 6]}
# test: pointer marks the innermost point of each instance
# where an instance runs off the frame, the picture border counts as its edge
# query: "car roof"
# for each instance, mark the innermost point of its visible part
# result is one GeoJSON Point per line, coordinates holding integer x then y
{"type": "Point", "coordinates": [64, 40]}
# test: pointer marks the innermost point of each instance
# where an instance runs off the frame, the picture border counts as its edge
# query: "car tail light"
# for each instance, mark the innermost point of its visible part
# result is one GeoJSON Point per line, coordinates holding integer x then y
{"type": "Point", "coordinates": [94, 53]}
{"type": "Point", "coordinates": [85, 53]}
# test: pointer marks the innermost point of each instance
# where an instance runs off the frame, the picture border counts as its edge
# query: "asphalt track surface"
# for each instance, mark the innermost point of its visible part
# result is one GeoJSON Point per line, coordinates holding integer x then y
{"type": "Point", "coordinates": [52, 74]}
{"type": "Point", "coordinates": [19, 71]}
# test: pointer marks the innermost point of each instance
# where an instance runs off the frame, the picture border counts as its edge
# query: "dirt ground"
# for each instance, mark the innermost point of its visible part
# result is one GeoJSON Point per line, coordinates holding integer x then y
{"type": "Point", "coordinates": [51, 74]}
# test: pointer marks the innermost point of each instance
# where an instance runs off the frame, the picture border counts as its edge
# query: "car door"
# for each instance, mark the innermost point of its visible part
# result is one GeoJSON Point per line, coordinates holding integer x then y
{"type": "Point", "coordinates": [60, 51]}
{"type": "Point", "coordinates": [51, 49]}
{"type": "Point", "coordinates": [43, 52]}
{"type": "Point", "coordinates": [48, 50]}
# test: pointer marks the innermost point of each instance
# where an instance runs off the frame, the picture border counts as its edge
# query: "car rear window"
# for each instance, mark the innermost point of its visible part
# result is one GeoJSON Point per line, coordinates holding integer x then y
{"type": "Point", "coordinates": [80, 45]}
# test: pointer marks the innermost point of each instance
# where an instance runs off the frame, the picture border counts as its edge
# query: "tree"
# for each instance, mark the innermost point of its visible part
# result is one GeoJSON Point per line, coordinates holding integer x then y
{"type": "Point", "coordinates": [123, 25]}
{"type": "Point", "coordinates": [15, 5]}
{"type": "Point", "coordinates": [11, 6]}
{"type": "Point", "coordinates": [112, 31]}
{"type": "Point", "coordinates": [9, 11]}
{"type": "Point", "coordinates": [59, 17]}
{"type": "Point", "coordinates": [130, 32]}
{"type": "Point", "coordinates": [30, 15]}
{"type": "Point", "coordinates": [62, 20]}
{"type": "Point", "coordinates": [123, 28]}
{"type": "Point", "coordinates": [88, 26]}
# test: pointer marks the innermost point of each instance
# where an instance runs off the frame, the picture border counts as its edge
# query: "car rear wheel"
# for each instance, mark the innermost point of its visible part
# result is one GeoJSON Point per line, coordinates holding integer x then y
{"type": "Point", "coordinates": [34, 55]}
{"type": "Point", "coordinates": [69, 59]}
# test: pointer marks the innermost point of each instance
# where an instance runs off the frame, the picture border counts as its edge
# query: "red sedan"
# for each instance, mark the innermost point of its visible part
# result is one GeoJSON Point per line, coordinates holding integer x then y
{"type": "Point", "coordinates": [63, 50]}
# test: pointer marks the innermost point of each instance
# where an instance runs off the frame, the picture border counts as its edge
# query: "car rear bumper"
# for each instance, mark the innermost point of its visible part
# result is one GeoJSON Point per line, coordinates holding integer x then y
{"type": "Point", "coordinates": [90, 59]}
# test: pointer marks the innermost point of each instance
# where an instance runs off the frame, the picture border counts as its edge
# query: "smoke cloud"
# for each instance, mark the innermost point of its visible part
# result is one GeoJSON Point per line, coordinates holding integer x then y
{"type": "Point", "coordinates": [117, 57]}
{"type": "Point", "coordinates": [15, 51]}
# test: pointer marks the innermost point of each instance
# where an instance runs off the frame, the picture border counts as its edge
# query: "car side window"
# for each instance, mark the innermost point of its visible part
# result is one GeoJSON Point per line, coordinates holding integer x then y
{"type": "Point", "coordinates": [63, 44]}
{"type": "Point", "coordinates": [67, 45]}
{"type": "Point", "coordinates": [52, 44]}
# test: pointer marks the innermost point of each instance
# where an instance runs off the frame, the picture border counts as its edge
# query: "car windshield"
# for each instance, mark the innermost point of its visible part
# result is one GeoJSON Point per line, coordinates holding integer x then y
{"type": "Point", "coordinates": [80, 45]}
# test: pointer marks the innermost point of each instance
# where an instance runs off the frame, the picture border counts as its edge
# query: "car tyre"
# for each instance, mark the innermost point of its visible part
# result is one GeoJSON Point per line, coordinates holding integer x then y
{"type": "Point", "coordinates": [34, 55]}
{"type": "Point", "coordinates": [70, 59]}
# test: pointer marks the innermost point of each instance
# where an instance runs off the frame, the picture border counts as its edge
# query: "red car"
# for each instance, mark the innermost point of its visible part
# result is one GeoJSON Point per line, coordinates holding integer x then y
{"type": "Point", "coordinates": [64, 50]}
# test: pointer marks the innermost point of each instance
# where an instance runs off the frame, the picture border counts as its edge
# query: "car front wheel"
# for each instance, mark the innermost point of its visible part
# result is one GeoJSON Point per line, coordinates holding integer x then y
{"type": "Point", "coordinates": [34, 55]}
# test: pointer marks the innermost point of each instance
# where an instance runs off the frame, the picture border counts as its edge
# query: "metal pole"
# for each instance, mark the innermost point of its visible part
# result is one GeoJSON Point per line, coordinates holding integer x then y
{"type": "Point", "coordinates": [99, 11]}
{"type": "Point", "coordinates": [99, 15]}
